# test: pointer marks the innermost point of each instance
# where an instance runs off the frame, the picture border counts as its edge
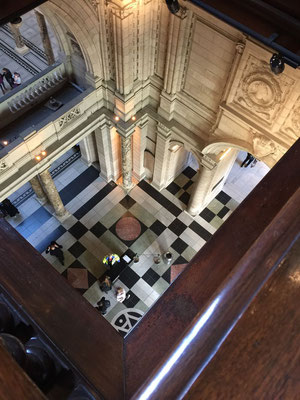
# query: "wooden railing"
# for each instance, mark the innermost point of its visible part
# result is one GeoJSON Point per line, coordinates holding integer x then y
{"type": "Point", "coordinates": [179, 336]}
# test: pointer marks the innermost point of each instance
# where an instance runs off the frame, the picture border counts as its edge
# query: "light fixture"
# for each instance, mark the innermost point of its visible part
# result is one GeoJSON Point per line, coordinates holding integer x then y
{"type": "Point", "coordinates": [5, 142]}
{"type": "Point", "coordinates": [133, 118]}
{"type": "Point", "coordinates": [173, 6]}
{"type": "Point", "coordinates": [225, 154]}
{"type": "Point", "coordinates": [43, 153]}
{"type": "Point", "coordinates": [38, 158]}
{"type": "Point", "coordinates": [117, 118]}
{"type": "Point", "coordinates": [277, 64]}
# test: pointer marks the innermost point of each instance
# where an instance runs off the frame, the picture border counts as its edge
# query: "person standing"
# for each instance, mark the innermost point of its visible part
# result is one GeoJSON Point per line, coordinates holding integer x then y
{"type": "Point", "coordinates": [8, 76]}
{"type": "Point", "coordinates": [110, 259]}
{"type": "Point", "coordinates": [105, 286]}
{"type": "Point", "coordinates": [10, 209]}
{"type": "Point", "coordinates": [103, 305]}
{"type": "Point", "coordinates": [55, 250]}
{"type": "Point", "coordinates": [3, 88]}
{"type": "Point", "coordinates": [17, 79]}
{"type": "Point", "coordinates": [248, 160]}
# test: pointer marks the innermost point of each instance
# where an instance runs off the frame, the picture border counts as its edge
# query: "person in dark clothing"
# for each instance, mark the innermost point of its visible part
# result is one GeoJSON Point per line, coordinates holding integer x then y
{"type": "Point", "coordinates": [8, 76]}
{"type": "Point", "coordinates": [105, 286]}
{"type": "Point", "coordinates": [103, 305]}
{"type": "Point", "coordinates": [55, 250]}
{"type": "Point", "coordinates": [9, 208]}
{"type": "Point", "coordinates": [248, 160]}
{"type": "Point", "coordinates": [3, 88]}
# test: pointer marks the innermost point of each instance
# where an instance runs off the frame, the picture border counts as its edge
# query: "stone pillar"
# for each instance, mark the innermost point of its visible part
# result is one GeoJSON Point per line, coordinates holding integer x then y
{"type": "Point", "coordinates": [162, 155]}
{"type": "Point", "coordinates": [45, 37]}
{"type": "Point", "coordinates": [15, 30]}
{"type": "Point", "coordinates": [88, 149]}
{"type": "Point", "coordinates": [123, 22]}
{"type": "Point", "coordinates": [139, 146]}
{"type": "Point", "coordinates": [104, 149]}
{"type": "Point", "coordinates": [201, 189]}
{"type": "Point", "coordinates": [38, 190]}
{"type": "Point", "coordinates": [126, 162]}
{"type": "Point", "coordinates": [53, 196]}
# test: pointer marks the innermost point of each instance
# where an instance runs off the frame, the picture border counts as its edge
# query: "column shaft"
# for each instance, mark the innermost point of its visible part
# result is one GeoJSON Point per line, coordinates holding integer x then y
{"type": "Point", "coordinates": [201, 189]}
{"type": "Point", "coordinates": [104, 149]}
{"type": "Point", "coordinates": [126, 161]}
{"type": "Point", "coordinates": [38, 190]}
{"type": "Point", "coordinates": [15, 30]}
{"type": "Point", "coordinates": [162, 155]}
{"type": "Point", "coordinates": [52, 193]}
{"type": "Point", "coordinates": [45, 37]}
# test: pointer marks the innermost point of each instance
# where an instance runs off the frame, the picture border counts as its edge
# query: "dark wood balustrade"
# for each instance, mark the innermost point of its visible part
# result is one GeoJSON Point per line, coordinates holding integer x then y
{"type": "Point", "coordinates": [196, 314]}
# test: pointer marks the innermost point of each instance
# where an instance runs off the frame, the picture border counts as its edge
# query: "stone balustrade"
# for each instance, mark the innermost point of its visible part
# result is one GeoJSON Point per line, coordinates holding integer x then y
{"type": "Point", "coordinates": [34, 91]}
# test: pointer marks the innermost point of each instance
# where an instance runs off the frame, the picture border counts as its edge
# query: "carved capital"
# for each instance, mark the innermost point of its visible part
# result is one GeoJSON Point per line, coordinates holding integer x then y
{"type": "Point", "coordinates": [70, 116]}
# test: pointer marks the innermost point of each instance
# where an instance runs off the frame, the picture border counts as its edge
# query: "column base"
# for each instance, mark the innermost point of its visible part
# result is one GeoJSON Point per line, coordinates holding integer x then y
{"type": "Point", "coordinates": [128, 189]}
{"type": "Point", "coordinates": [62, 218]}
{"type": "Point", "coordinates": [41, 201]}
{"type": "Point", "coordinates": [22, 50]}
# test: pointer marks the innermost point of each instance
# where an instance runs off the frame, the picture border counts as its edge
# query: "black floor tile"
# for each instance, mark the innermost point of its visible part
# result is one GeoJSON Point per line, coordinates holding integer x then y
{"type": "Point", "coordinates": [127, 202]}
{"type": "Point", "coordinates": [185, 198]}
{"type": "Point", "coordinates": [78, 230]}
{"type": "Point", "coordinates": [223, 197]}
{"type": "Point", "coordinates": [151, 277]}
{"type": "Point", "coordinates": [93, 201]}
{"type": "Point", "coordinates": [167, 275]}
{"type": "Point", "coordinates": [132, 301]}
{"type": "Point", "coordinates": [177, 227]}
{"type": "Point", "coordinates": [189, 172]}
{"type": "Point", "coordinates": [202, 232]}
{"type": "Point", "coordinates": [180, 260]}
{"type": "Point", "coordinates": [98, 229]}
{"type": "Point", "coordinates": [173, 188]}
{"type": "Point", "coordinates": [172, 208]}
{"type": "Point", "coordinates": [129, 278]}
{"type": "Point", "coordinates": [187, 185]}
{"type": "Point", "coordinates": [223, 212]}
{"type": "Point", "coordinates": [179, 245]}
{"type": "Point", "coordinates": [157, 227]}
{"type": "Point", "coordinates": [78, 184]}
{"type": "Point", "coordinates": [77, 249]}
{"type": "Point", "coordinates": [207, 214]}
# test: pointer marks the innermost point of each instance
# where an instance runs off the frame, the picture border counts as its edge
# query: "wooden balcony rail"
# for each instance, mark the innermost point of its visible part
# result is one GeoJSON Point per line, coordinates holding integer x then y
{"type": "Point", "coordinates": [175, 340]}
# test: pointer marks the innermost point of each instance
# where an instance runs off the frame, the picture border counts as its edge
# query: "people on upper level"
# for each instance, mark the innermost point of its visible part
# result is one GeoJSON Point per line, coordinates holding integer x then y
{"type": "Point", "coordinates": [8, 76]}
{"type": "Point", "coordinates": [17, 79]}
{"type": "Point", "coordinates": [3, 88]}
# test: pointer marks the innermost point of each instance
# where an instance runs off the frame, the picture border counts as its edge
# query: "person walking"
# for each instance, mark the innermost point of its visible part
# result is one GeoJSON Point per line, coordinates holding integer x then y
{"type": "Point", "coordinates": [3, 88]}
{"type": "Point", "coordinates": [8, 76]}
{"type": "Point", "coordinates": [55, 250]}
{"type": "Point", "coordinates": [103, 305]}
{"type": "Point", "coordinates": [9, 208]}
{"type": "Point", "coordinates": [248, 160]}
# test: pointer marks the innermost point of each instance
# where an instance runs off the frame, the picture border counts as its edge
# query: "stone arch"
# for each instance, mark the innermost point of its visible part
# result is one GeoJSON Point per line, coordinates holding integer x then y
{"type": "Point", "coordinates": [81, 21]}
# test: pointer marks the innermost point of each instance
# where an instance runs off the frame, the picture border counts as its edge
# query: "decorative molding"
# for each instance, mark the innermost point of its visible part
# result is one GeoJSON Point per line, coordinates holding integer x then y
{"type": "Point", "coordinates": [3, 166]}
{"type": "Point", "coordinates": [120, 11]}
{"type": "Point", "coordinates": [94, 4]}
{"type": "Point", "coordinates": [291, 124]}
{"type": "Point", "coordinates": [261, 92]}
{"type": "Point", "coordinates": [70, 116]}
{"type": "Point", "coordinates": [262, 146]}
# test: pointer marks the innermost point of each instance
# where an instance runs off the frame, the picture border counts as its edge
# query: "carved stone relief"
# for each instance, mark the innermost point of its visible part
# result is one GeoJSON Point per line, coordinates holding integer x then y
{"type": "Point", "coordinates": [261, 92]}
{"type": "Point", "coordinates": [291, 124]}
{"type": "Point", "coordinates": [263, 146]}
{"type": "Point", "coordinates": [69, 117]}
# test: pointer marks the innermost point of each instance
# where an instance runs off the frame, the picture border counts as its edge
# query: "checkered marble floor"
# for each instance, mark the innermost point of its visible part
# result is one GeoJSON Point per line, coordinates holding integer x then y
{"type": "Point", "coordinates": [90, 233]}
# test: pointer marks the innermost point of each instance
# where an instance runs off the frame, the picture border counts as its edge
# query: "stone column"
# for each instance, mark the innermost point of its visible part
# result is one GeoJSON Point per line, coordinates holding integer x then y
{"type": "Point", "coordinates": [139, 146]}
{"type": "Point", "coordinates": [53, 196]}
{"type": "Point", "coordinates": [104, 149]}
{"type": "Point", "coordinates": [201, 189]}
{"type": "Point", "coordinates": [15, 30]}
{"type": "Point", "coordinates": [162, 155]}
{"type": "Point", "coordinates": [88, 149]}
{"type": "Point", "coordinates": [45, 37]}
{"type": "Point", "coordinates": [38, 190]}
{"type": "Point", "coordinates": [126, 162]}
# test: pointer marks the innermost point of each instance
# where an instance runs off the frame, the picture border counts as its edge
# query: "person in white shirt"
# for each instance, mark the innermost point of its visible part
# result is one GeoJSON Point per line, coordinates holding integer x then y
{"type": "Point", "coordinates": [17, 79]}
{"type": "Point", "coordinates": [121, 294]}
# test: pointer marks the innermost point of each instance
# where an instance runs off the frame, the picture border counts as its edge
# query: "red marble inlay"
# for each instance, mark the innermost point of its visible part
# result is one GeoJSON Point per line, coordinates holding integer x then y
{"type": "Point", "coordinates": [128, 228]}
{"type": "Point", "coordinates": [78, 278]}
{"type": "Point", "coordinates": [176, 270]}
